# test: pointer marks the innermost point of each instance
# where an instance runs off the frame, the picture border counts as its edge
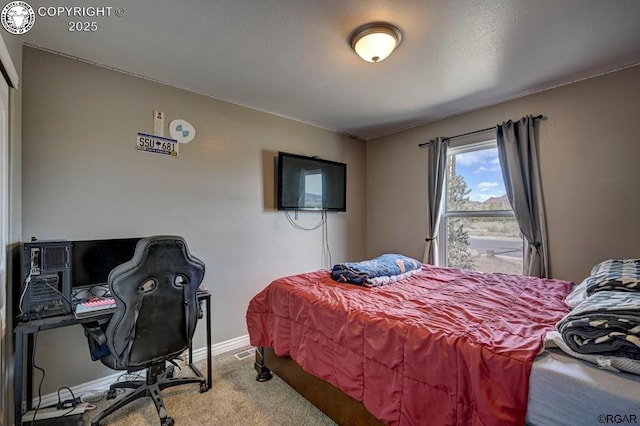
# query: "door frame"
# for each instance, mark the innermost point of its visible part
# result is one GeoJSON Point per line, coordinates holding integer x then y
{"type": "Point", "coordinates": [8, 80]}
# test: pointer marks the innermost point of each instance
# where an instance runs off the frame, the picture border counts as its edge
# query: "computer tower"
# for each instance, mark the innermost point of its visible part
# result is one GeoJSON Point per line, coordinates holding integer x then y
{"type": "Point", "coordinates": [46, 279]}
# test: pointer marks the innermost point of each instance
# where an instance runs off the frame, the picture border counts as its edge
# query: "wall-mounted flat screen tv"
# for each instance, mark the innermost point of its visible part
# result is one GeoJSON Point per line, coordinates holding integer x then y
{"type": "Point", "coordinates": [309, 183]}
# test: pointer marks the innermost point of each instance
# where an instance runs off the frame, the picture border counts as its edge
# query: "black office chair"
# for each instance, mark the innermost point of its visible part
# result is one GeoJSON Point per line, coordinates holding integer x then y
{"type": "Point", "coordinates": [154, 321]}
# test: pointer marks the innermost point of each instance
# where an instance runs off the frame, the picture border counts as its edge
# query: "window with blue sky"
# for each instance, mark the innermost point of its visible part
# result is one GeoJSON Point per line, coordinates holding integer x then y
{"type": "Point", "coordinates": [482, 173]}
{"type": "Point", "coordinates": [478, 226]}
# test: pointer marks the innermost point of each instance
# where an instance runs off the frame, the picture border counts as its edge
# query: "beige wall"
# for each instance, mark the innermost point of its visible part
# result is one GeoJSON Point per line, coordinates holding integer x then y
{"type": "Point", "coordinates": [83, 179]}
{"type": "Point", "coordinates": [589, 153]}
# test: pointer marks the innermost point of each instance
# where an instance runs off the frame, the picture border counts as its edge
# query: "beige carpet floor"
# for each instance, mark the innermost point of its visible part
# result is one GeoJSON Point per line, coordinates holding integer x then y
{"type": "Point", "coordinates": [236, 398]}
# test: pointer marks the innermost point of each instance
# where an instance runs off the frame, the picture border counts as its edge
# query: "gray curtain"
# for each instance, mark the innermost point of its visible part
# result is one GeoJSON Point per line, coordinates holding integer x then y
{"type": "Point", "coordinates": [518, 155]}
{"type": "Point", "coordinates": [436, 164]}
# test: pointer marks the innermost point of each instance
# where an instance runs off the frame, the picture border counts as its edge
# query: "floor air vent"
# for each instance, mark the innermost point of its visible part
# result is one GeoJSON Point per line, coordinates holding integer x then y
{"type": "Point", "coordinates": [245, 354]}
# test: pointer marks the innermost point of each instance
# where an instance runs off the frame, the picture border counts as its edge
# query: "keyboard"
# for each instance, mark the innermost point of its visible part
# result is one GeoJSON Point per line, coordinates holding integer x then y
{"type": "Point", "coordinates": [95, 307]}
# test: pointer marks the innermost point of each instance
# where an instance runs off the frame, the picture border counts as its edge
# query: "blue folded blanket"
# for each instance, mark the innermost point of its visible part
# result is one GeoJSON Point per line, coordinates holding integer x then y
{"type": "Point", "coordinates": [378, 271]}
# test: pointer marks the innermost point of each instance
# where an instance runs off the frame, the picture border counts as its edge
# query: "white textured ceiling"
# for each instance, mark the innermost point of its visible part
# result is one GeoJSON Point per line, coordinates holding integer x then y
{"type": "Point", "coordinates": [292, 57]}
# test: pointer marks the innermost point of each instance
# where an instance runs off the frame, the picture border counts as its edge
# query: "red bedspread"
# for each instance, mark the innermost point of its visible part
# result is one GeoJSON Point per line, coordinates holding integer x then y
{"type": "Point", "coordinates": [444, 347]}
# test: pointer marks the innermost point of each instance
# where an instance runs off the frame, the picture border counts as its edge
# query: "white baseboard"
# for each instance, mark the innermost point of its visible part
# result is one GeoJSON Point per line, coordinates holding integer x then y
{"type": "Point", "coordinates": [222, 347]}
{"type": "Point", "coordinates": [103, 383]}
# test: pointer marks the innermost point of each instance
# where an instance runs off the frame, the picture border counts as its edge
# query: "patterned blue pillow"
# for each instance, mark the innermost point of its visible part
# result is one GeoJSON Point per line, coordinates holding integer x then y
{"type": "Point", "coordinates": [616, 275]}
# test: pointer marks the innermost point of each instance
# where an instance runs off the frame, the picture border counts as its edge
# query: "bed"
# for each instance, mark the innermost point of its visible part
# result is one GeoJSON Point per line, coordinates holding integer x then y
{"type": "Point", "coordinates": [441, 346]}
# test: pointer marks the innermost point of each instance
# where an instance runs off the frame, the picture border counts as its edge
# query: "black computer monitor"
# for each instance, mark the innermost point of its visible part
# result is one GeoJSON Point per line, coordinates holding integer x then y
{"type": "Point", "coordinates": [92, 260]}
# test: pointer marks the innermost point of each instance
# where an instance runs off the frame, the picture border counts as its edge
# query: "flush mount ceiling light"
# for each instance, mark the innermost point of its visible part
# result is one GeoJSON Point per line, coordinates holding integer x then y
{"type": "Point", "coordinates": [375, 41]}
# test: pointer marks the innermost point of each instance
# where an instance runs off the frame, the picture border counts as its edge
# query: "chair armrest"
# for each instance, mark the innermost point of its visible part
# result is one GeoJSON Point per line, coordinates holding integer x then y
{"type": "Point", "coordinates": [94, 331]}
{"type": "Point", "coordinates": [97, 339]}
{"type": "Point", "coordinates": [200, 311]}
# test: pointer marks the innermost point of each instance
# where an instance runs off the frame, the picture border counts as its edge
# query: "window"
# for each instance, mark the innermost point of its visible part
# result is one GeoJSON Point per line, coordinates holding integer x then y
{"type": "Point", "coordinates": [478, 230]}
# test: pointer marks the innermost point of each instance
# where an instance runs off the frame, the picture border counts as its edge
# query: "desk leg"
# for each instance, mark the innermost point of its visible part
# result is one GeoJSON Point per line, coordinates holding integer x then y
{"type": "Point", "coordinates": [209, 372]}
{"type": "Point", "coordinates": [209, 379]}
{"type": "Point", "coordinates": [30, 349]}
{"type": "Point", "coordinates": [17, 377]}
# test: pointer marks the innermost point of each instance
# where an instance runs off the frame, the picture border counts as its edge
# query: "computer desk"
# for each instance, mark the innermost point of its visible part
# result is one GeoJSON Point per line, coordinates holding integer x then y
{"type": "Point", "coordinates": [29, 328]}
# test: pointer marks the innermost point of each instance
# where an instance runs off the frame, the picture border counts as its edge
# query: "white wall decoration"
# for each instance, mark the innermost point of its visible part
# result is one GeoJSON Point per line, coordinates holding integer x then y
{"type": "Point", "coordinates": [182, 131]}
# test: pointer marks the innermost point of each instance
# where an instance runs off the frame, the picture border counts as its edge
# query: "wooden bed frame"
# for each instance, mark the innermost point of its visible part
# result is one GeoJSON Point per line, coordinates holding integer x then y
{"type": "Point", "coordinates": [336, 404]}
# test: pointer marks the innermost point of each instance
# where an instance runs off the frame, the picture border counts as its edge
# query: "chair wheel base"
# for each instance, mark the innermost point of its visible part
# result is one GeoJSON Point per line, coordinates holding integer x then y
{"type": "Point", "coordinates": [203, 387]}
{"type": "Point", "coordinates": [168, 421]}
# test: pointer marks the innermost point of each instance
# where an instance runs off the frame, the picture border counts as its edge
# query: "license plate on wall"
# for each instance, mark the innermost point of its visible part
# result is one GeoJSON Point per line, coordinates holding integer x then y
{"type": "Point", "coordinates": [156, 144]}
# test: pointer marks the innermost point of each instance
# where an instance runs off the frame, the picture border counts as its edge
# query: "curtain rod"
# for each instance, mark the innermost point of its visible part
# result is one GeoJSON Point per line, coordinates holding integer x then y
{"type": "Point", "coordinates": [470, 133]}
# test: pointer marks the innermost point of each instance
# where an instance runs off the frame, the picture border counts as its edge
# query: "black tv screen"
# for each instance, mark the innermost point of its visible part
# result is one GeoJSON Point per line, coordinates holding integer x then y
{"type": "Point", "coordinates": [309, 183]}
